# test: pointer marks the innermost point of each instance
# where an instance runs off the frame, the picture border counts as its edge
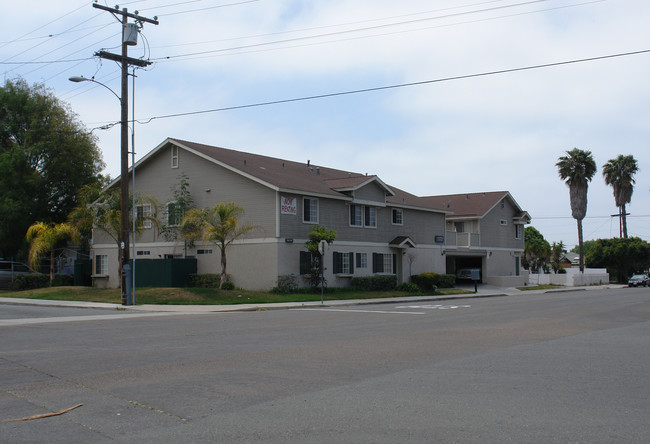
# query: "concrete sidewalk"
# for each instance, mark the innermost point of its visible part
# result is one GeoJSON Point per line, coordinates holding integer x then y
{"type": "Point", "coordinates": [484, 291]}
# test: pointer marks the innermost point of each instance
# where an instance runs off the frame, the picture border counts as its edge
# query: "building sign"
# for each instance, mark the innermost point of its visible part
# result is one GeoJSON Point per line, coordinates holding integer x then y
{"type": "Point", "coordinates": [288, 205]}
{"type": "Point", "coordinates": [440, 239]}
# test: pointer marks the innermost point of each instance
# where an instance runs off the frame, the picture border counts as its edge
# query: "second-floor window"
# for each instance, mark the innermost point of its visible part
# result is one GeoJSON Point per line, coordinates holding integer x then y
{"type": "Point", "coordinates": [310, 210]}
{"type": "Point", "coordinates": [398, 216]}
{"type": "Point", "coordinates": [143, 213]}
{"type": "Point", "coordinates": [174, 215]}
{"type": "Point", "coordinates": [363, 216]}
{"type": "Point", "coordinates": [518, 231]}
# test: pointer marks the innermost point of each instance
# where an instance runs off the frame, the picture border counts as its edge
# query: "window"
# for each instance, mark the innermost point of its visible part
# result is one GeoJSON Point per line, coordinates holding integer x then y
{"type": "Point", "coordinates": [355, 215]}
{"type": "Point", "coordinates": [310, 210]}
{"type": "Point", "coordinates": [143, 253]}
{"type": "Point", "coordinates": [174, 156]}
{"type": "Point", "coordinates": [503, 222]}
{"type": "Point", "coordinates": [307, 262]}
{"type": "Point", "coordinates": [398, 216]}
{"type": "Point", "coordinates": [370, 217]}
{"type": "Point", "coordinates": [363, 216]}
{"type": "Point", "coordinates": [101, 265]}
{"type": "Point", "coordinates": [460, 227]}
{"type": "Point", "coordinates": [143, 213]}
{"type": "Point", "coordinates": [343, 263]}
{"type": "Point", "coordinates": [204, 251]}
{"type": "Point", "coordinates": [517, 231]}
{"type": "Point", "coordinates": [362, 260]}
{"type": "Point", "coordinates": [174, 215]}
{"type": "Point", "coordinates": [384, 263]}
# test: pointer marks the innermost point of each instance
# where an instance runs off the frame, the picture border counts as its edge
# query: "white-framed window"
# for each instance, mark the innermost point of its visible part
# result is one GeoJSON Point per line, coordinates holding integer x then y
{"type": "Point", "coordinates": [362, 260]}
{"type": "Point", "coordinates": [310, 210]}
{"type": "Point", "coordinates": [204, 251]}
{"type": "Point", "coordinates": [356, 215]}
{"type": "Point", "coordinates": [343, 263]}
{"type": "Point", "coordinates": [388, 263]}
{"type": "Point", "coordinates": [174, 156]}
{"type": "Point", "coordinates": [503, 222]}
{"type": "Point", "coordinates": [518, 231]}
{"type": "Point", "coordinates": [398, 216]}
{"type": "Point", "coordinates": [459, 227]}
{"type": "Point", "coordinates": [143, 213]}
{"type": "Point", "coordinates": [174, 215]}
{"type": "Point", "coordinates": [370, 217]}
{"type": "Point", "coordinates": [101, 264]}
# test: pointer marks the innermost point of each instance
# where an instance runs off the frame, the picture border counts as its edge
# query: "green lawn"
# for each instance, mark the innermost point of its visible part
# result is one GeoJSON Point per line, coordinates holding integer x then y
{"type": "Point", "coordinates": [200, 296]}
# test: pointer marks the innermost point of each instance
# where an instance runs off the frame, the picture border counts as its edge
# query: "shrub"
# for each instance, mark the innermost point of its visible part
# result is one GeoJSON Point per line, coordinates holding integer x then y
{"type": "Point", "coordinates": [206, 280]}
{"type": "Point", "coordinates": [30, 281]}
{"type": "Point", "coordinates": [408, 287]}
{"type": "Point", "coordinates": [62, 280]}
{"type": "Point", "coordinates": [430, 281]}
{"type": "Point", "coordinates": [286, 284]}
{"type": "Point", "coordinates": [228, 286]}
{"type": "Point", "coordinates": [374, 283]}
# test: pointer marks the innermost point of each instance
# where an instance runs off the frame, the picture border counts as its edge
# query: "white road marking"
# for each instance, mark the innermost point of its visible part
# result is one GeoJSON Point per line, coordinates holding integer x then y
{"type": "Point", "coordinates": [360, 311]}
{"type": "Point", "coordinates": [434, 307]}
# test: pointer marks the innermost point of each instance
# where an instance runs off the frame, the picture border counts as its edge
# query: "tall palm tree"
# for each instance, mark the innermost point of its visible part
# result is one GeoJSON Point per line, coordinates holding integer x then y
{"type": "Point", "coordinates": [219, 225]}
{"type": "Point", "coordinates": [45, 238]}
{"type": "Point", "coordinates": [577, 169]}
{"type": "Point", "coordinates": [619, 173]}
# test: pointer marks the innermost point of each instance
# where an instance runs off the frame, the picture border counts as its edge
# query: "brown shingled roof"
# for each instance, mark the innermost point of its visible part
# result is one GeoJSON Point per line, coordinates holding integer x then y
{"type": "Point", "coordinates": [300, 177]}
{"type": "Point", "coordinates": [468, 204]}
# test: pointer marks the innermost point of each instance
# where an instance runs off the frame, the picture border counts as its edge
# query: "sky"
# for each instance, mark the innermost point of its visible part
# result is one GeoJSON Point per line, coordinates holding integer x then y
{"type": "Point", "coordinates": [460, 115]}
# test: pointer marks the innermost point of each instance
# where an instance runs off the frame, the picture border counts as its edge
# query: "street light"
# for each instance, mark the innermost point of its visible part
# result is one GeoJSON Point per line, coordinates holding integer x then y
{"type": "Point", "coordinates": [125, 281]}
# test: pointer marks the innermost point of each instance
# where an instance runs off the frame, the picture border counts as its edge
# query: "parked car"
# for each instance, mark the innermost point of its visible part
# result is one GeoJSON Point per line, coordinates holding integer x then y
{"type": "Point", "coordinates": [638, 280]}
{"type": "Point", "coordinates": [9, 270]}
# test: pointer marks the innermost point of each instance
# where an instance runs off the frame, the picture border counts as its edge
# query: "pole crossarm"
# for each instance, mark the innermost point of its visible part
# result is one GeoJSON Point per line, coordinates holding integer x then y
{"type": "Point", "coordinates": [123, 59]}
{"type": "Point", "coordinates": [123, 13]}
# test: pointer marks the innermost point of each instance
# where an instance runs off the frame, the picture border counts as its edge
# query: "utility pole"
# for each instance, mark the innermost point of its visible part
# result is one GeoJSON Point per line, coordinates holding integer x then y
{"type": "Point", "coordinates": [128, 38]}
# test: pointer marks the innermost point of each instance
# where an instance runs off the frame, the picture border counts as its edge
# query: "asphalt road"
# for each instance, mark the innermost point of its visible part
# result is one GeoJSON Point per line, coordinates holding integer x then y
{"type": "Point", "coordinates": [568, 367]}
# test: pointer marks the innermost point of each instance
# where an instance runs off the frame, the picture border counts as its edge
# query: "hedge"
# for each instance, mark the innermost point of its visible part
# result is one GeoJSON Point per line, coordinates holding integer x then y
{"type": "Point", "coordinates": [430, 281]}
{"type": "Point", "coordinates": [30, 282]}
{"type": "Point", "coordinates": [374, 283]}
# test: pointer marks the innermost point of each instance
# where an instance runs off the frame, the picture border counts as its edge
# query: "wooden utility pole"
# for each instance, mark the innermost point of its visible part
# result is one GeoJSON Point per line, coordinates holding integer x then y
{"type": "Point", "coordinates": [125, 62]}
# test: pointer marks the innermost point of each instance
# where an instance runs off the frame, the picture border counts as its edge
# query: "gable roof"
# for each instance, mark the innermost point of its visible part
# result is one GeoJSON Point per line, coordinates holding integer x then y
{"type": "Point", "coordinates": [295, 177]}
{"type": "Point", "coordinates": [474, 205]}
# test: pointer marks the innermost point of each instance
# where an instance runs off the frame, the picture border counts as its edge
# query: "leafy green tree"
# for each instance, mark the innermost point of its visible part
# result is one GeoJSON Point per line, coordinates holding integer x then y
{"type": "Point", "coordinates": [557, 250]}
{"type": "Point", "coordinates": [219, 225]}
{"type": "Point", "coordinates": [587, 245]}
{"type": "Point", "coordinates": [183, 202]}
{"type": "Point", "coordinates": [317, 234]}
{"type": "Point", "coordinates": [104, 214]}
{"type": "Point", "coordinates": [619, 173]}
{"type": "Point", "coordinates": [46, 156]}
{"type": "Point", "coordinates": [622, 257]}
{"type": "Point", "coordinates": [577, 169]}
{"type": "Point", "coordinates": [536, 250]}
{"type": "Point", "coordinates": [44, 238]}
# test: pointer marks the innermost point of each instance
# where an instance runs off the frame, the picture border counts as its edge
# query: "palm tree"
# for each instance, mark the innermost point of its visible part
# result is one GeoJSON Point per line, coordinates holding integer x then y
{"type": "Point", "coordinates": [619, 173]}
{"type": "Point", "coordinates": [45, 238]}
{"type": "Point", "coordinates": [219, 225]}
{"type": "Point", "coordinates": [577, 169]}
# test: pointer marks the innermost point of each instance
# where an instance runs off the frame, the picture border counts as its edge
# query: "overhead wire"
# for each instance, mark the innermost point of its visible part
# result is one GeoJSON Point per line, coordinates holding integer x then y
{"type": "Point", "coordinates": [401, 85]}
{"type": "Point", "coordinates": [202, 54]}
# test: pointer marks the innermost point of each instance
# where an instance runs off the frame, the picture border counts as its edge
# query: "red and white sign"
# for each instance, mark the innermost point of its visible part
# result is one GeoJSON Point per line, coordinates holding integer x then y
{"type": "Point", "coordinates": [288, 205]}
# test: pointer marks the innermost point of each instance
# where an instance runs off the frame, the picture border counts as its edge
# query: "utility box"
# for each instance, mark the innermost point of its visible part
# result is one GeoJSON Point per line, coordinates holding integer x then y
{"type": "Point", "coordinates": [163, 272]}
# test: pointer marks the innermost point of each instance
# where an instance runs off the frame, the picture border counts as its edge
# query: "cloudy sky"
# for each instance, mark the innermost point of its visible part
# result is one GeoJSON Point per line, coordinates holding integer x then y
{"type": "Point", "coordinates": [466, 119]}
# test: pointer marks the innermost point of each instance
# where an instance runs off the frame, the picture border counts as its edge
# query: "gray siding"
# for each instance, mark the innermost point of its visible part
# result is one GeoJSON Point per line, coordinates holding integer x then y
{"type": "Point", "coordinates": [493, 234]}
{"type": "Point", "coordinates": [156, 178]}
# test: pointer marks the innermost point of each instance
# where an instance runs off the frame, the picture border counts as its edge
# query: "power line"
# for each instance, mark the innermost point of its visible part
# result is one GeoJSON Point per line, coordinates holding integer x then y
{"type": "Point", "coordinates": [401, 85]}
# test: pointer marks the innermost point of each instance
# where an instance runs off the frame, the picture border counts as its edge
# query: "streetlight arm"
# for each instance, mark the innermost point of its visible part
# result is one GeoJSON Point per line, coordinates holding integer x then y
{"type": "Point", "coordinates": [79, 79]}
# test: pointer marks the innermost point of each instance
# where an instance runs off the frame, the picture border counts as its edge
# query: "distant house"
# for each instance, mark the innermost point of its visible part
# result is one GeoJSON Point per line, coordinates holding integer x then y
{"type": "Point", "coordinates": [485, 231]}
{"type": "Point", "coordinates": [570, 260]}
{"type": "Point", "coordinates": [381, 230]}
